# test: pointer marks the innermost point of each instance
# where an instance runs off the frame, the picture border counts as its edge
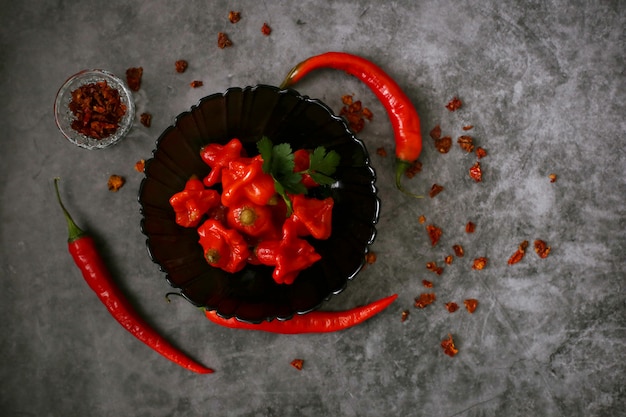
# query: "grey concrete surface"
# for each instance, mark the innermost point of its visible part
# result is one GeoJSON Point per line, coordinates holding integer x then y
{"type": "Point", "coordinates": [543, 85]}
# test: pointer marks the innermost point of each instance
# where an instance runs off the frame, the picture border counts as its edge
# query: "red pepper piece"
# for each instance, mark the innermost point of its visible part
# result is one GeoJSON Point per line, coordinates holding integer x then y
{"type": "Point", "coordinates": [302, 162]}
{"type": "Point", "coordinates": [218, 157]}
{"type": "Point", "coordinates": [312, 216]}
{"type": "Point", "coordinates": [289, 256]}
{"type": "Point", "coordinates": [402, 114]}
{"type": "Point", "coordinates": [244, 179]}
{"type": "Point", "coordinates": [313, 322]}
{"type": "Point", "coordinates": [223, 248]}
{"type": "Point", "coordinates": [193, 202]}
{"type": "Point", "coordinates": [253, 220]}
{"type": "Point", "coordinates": [83, 250]}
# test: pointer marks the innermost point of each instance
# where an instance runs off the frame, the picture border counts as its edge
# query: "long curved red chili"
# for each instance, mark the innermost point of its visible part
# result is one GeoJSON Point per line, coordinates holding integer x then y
{"type": "Point", "coordinates": [83, 250]}
{"type": "Point", "coordinates": [402, 114]}
{"type": "Point", "coordinates": [313, 322]}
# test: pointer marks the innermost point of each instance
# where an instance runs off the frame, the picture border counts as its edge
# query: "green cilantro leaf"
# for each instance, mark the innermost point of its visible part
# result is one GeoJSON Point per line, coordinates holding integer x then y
{"type": "Point", "coordinates": [265, 146]}
{"type": "Point", "coordinates": [324, 162]}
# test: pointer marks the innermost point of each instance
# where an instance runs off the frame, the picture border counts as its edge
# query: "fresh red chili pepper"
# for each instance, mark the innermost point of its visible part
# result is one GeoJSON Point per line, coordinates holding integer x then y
{"type": "Point", "coordinates": [218, 157]}
{"type": "Point", "coordinates": [83, 250]}
{"type": "Point", "coordinates": [312, 216]}
{"type": "Point", "coordinates": [302, 162]}
{"type": "Point", "coordinates": [313, 322]}
{"type": "Point", "coordinates": [223, 248]}
{"type": "Point", "coordinates": [193, 202]}
{"type": "Point", "coordinates": [244, 179]}
{"type": "Point", "coordinates": [402, 114]}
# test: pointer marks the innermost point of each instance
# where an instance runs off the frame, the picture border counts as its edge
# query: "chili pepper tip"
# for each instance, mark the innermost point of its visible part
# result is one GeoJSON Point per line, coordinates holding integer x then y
{"type": "Point", "coordinates": [401, 167]}
{"type": "Point", "coordinates": [74, 232]}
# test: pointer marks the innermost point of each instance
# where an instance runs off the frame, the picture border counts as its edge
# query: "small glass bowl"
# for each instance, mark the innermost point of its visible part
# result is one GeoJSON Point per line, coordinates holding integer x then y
{"type": "Point", "coordinates": [64, 117]}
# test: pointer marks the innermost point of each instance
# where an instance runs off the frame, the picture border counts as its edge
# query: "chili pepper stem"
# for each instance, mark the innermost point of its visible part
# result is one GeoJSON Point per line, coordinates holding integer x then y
{"type": "Point", "coordinates": [401, 167]}
{"type": "Point", "coordinates": [74, 232]}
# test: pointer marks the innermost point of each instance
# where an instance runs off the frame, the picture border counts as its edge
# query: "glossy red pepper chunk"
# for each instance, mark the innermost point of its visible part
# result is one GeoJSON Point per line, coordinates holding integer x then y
{"type": "Point", "coordinates": [289, 256]}
{"type": "Point", "coordinates": [253, 220]}
{"type": "Point", "coordinates": [244, 179]}
{"type": "Point", "coordinates": [191, 204]}
{"type": "Point", "coordinates": [312, 216]}
{"type": "Point", "coordinates": [223, 248]}
{"type": "Point", "coordinates": [302, 162]}
{"type": "Point", "coordinates": [218, 157]}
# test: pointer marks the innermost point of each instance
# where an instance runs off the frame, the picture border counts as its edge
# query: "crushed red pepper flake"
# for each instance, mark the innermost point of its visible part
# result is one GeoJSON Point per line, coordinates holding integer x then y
{"type": "Point", "coordinates": [381, 152]}
{"type": "Point", "coordinates": [223, 41]}
{"type": "Point", "coordinates": [425, 299]}
{"type": "Point", "coordinates": [480, 152]}
{"type": "Point", "coordinates": [426, 283]}
{"type": "Point", "coordinates": [458, 250]}
{"type": "Point", "coordinates": [367, 113]}
{"type": "Point", "coordinates": [115, 182]}
{"type": "Point", "coordinates": [434, 233]}
{"type": "Point", "coordinates": [541, 248]}
{"type": "Point", "coordinates": [266, 29]}
{"type": "Point", "coordinates": [422, 219]}
{"type": "Point", "coordinates": [479, 263]}
{"type": "Point", "coordinates": [435, 133]}
{"type": "Point", "coordinates": [552, 177]}
{"type": "Point", "coordinates": [145, 119]}
{"type": "Point", "coordinates": [140, 166]}
{"type": "Point", "coordinates": [181, 66]}
{"type": "Point", "coordinates": [355, 113]}
{"type": "Point", "coordinates": [370, 257]}
{"type": "Point", "coordinates": [97, 109]}
{"type": "Point", "coordinates": [452, 307]}
{"type": "Point", "coordinates": [519, 253]}
{"type": "Point", "coordinates": [133, 78]}
{"type": "Point", "coordinates": [476, 173]}
{"type": "Point", "coordinates": [234, 17]}
{"type": "Point", "coordinates": [404, 316]}
{"type": "Point", "coordinates": [471, 304]}
{"type": "Point", "coordinates": [448, 259]}
{"type": "Point", "coordinates": [434, 190]}
{"type": "Point", "coordinates": [454, 104]}
{"type": "Point", "coordinates": [468, 127]}
{"type": "Point", "coordinates": [448, 346]}
{"type": "Point", "coordinates": [432, 267]}
{"type": "Point", "coordinates": [298, 364]}
{"type": "Point", "coordinates": [470, 227]}
{"type": "Point", "coordinates": [196, 84]}
{"type": "Point", "coordinates": [413, 169]}
{"type": "Point", "coordinates": [466, 143]}
{"type": "Point", "coordinates": [444, 144]}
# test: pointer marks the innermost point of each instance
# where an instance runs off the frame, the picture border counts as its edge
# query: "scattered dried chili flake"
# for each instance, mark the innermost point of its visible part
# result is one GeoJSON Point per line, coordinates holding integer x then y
{"type": "Point", "coordinates": [470, 227]}
{"type": "Point", "coordinates": [541, 248]}
{"type": "Point", "coordinates": [519, 253]}
{"type": "Point", "coordinates": [422, 219]}
{"type": "Point", "coordinates": [223, 41]}
{"type": "Point", "coordinates": [466, 143]}
{"type": "Point", "coordinates": [476, 173]}
{"type": "Point", "coordinates": [347, 99]}
{"type": "Point", "coordinates": [479, 263]}
{"type": "Point", "coordinates": [354, 113]}
{"type": "Point", "coordinates": [435, 189]}
{"type": "Point", "coordinates": [480, 153]}
{"type": "Point", "coordinates": [452, 307]}
{"type": "Point", "coordinates": [413, 169]}
{"type": "Point", "coordinates": [298, 364]}
{"type": "Point", "coordinates": [454, 104]}
{"type": "Point", "coordinates": [404, 316]}
{"type": "Point", "coordinates": [196, 84]}
{"type": "Point", "coordinates": [425, 299]}
{"type": "Point", "coordinates": [468, 127]}
{"type": "Point", "coordinates": [370, 257]}
{"type": "Point", "coordinates": [552, 177]}
{"type": "Point", "coordinates": [458, 250]}
{"type": "Point", "coordinates": [435, 133]}
{"type": "Point", "coordinates": [448, 259]}
{"type": "Point", "coordinates": [444, 144]}
{"type": "Point", "coordinates": [266, 29]}
{"type": "Point", "coordinates": [115, 182]}
{"type": "Point", "coordinates": [381, 151]}
{"type": "Point", "coordinates": [133, 78]}
{"type": "Point", "coordinates": [434, 233]}
{"type": "Point", "coordinates": [367, 113]}
{"type": "Point", "coordinates": [432, 267]}
{"type": "Point", "coordinates": [471, 304]}
{"type": "Point", "coordinates": [426, 283]}
{"type": "Point", "coordinates": [97, 109]}
{"type": "Point", "coordinates": [145, 119]}
{"type": "Point", "coordinates": [181, 66]}
{"type": "Point", "coordinates": [448, 346]}
{"type": "Point", "coordinates": [234, 17]}
{"type": "Point", "coordinates": [140, 165]}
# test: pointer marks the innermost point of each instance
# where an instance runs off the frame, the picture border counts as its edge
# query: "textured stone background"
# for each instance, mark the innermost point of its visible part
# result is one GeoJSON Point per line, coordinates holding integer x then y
{"type": "Point", "coordinates": [543, 83]}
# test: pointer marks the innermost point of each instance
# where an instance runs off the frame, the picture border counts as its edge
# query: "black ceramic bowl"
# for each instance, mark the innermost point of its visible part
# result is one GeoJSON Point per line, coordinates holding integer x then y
{"type": "Point", "coordinates": [249, 114]}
